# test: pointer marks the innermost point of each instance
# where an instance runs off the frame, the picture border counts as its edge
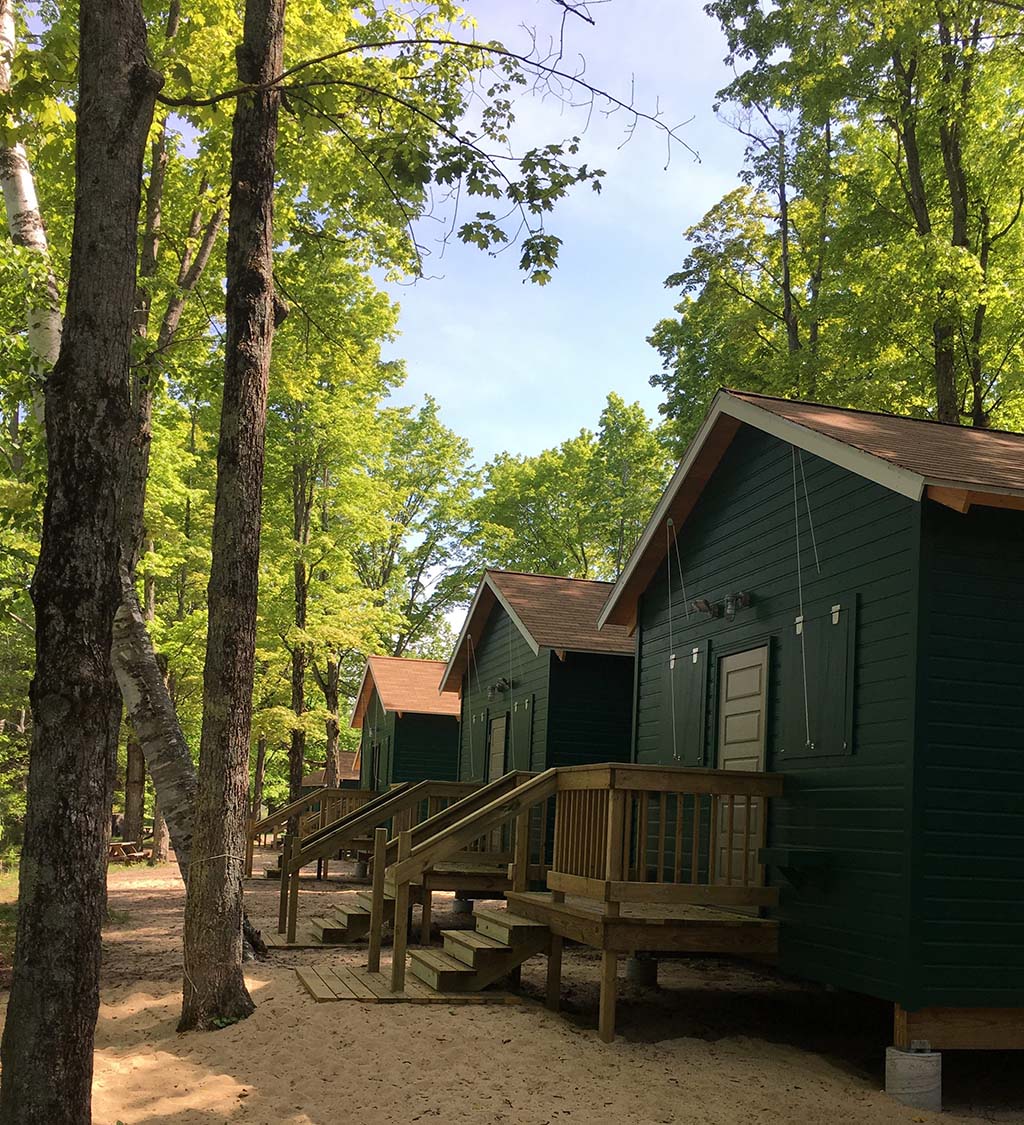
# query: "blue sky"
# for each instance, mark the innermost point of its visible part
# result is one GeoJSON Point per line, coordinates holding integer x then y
{"type": "Point", "coordinates": [519, 367]}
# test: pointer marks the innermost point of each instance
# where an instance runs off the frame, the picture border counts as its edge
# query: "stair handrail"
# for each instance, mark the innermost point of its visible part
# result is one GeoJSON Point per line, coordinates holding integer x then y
{"type": "Point", "coordinates": [414, 861]}
{"type": "Point", "coordinates": [286, 812]}
{"type": "Point", "coordinates": [445, 843]}
{"type": "Point", "coordinates": [460, 809]}
{"type": "Point", "coordinates": [372, 815]}
{"type": "Point", "coordinates": [343, 825]}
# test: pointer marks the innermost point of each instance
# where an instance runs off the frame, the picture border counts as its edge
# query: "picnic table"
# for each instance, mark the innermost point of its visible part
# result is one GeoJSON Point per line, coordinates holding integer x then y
{"type": "Point", "coordinates": [124, 851]}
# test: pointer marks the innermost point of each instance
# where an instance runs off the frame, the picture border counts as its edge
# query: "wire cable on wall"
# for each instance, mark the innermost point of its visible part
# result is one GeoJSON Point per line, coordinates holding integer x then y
{"type": "Point", "coordinates": [671, 640]}
{"type": "Point", "coordinates": [800, 598]}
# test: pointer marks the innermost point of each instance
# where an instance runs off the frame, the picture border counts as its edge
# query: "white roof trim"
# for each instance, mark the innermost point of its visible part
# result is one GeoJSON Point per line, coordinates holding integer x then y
{"type": "Point", "coordinates": [503, 602]}
{"type": "Point", "coordinates": [857, 461]}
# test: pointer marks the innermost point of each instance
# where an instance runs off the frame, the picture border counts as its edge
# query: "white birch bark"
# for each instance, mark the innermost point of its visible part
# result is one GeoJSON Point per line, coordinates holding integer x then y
{"type": "Point", "coordinates": [25, 222]}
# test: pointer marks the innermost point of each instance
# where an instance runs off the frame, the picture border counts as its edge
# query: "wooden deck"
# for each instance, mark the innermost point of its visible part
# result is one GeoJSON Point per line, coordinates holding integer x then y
{"type": "Point", "coordinates": [354, 982]}
{"type": "Point", "coordinates": [304, 939]}
{"type": "Point", "coordinates": [653, 927]}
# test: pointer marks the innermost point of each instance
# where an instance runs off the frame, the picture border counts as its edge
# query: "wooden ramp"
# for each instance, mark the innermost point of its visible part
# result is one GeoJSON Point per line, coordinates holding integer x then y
{"type": "Point", "coordinates": [355, 982]}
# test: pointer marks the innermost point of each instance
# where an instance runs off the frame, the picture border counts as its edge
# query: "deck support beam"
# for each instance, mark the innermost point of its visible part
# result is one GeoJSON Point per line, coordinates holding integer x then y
{"type": "Point", "coordinates": [380, 844]}
{"type": "Point", "coordinates": [609, 992]}
{"type": "Point", "coordinates": [426, 911]}
{"type": "Point", "coordinates": [401, 941]}
{"type": "Point", "coordinates": [554, 991]}
{"type": "Point", "coordinates": [293, 894]}
{"type": "Point", "coordinates": [282, 905]}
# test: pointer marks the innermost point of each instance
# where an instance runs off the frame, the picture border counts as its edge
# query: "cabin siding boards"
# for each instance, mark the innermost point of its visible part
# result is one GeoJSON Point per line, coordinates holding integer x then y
{"type": "Point", "coordinates": [426, 748]}
{"type": "Point", "coordinates": [848, 926]}
{"type": "Point", "coordinates": [591, 709]}
{"type": "Point", "coordinates": [379, 728]}
{"type": "Point", "coordinates": [968, 890]}
{"type": "Point", "coordinates": [581, 706]}
{"type": "Point", "coordinates": [502, 653]}
{"type": "Point", "coordinates": [413, 747]}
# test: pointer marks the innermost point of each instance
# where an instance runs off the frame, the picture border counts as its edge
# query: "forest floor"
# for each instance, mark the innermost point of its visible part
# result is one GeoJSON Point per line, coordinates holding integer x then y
{"type": "Point", "coordinates": [717, 1042]}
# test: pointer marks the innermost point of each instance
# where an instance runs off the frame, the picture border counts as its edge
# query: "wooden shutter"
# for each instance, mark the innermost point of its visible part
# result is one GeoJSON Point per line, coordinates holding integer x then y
{"type": "Point", "coordinates": [823, 643]}
{"type": "Point", "coordinates": [686, 678]}
{"type": "Point", "coordinates": [521, 740]}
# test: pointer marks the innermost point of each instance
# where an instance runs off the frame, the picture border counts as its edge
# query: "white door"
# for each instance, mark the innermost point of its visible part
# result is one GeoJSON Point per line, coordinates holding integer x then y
{"type": "Point", "coordinates": [742, 695]}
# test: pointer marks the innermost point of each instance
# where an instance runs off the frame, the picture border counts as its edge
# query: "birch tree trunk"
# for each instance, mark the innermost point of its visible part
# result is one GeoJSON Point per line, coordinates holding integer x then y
{"type": "Point", "coordinates": [214, 987]}
{"type": "Point", "coordinates": [24, 220]}
{"type": "Point", "coordinates": [47, 1048]}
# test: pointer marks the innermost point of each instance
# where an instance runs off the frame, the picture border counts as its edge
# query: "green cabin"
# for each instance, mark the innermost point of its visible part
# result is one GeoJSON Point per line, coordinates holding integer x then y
{"type": "Point", "coordinates": [410, 732]}
{"type": "Point", "coordinates": [838, 596]}
{"type": "Point", "coordinates": [537, 683]}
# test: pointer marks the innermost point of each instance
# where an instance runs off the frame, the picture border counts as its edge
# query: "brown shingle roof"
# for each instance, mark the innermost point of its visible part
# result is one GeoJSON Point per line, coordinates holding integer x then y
{"type": "Point", "coordinates": [961, 455]}
{"type": "Point", "coordinates": [562, 613]}
{"type": "Point", "coordinates": [349, 771]}
{"type": "Point", "coordinates": [406, 685]}
{"type": "Point", "coordinates": [551, 612]}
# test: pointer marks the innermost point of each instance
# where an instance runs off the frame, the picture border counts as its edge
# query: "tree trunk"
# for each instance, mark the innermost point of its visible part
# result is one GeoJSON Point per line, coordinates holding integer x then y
{"type": "Point", "coordinates": [134, 791]}
{"type": "Point", "coordinates": [47, 1048]}
{"type": "Point", "coordinates": [258, 777]}
{"type": "Point", "coordinates": [161, 836]}
{"type": "Point", "coordinates": [151, 712]}
{"type": "Point", "coordinates": [25, 222]}
{"type": "Point", "coordinates": [155, 723]}
{"type": "Point", "coordinates": [214, 987]}
{"type": "Point", "coordinates": [332, 769]}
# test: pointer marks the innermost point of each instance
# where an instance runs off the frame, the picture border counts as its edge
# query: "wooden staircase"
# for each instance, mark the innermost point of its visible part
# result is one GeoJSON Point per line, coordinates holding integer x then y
{"type": "Point", "coordinates": [473, 959]}
{"type": "Point", "coordinates": [351, 921]}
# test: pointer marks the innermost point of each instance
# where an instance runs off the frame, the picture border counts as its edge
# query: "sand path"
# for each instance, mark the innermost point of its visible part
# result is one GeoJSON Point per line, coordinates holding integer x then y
{"type": "Point", "coordinates": [719, 1044]}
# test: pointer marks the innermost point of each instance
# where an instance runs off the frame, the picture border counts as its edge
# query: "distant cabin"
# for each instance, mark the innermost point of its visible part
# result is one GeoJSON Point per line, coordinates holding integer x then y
{"type": "Point", "coordinates": [410, 732]}
{"type": "Point", "coordinates": [838, 596]}
{"type": "Point", "coordinates": [539, 685]}
{"type": "Point", "coordinates": [348, 776]}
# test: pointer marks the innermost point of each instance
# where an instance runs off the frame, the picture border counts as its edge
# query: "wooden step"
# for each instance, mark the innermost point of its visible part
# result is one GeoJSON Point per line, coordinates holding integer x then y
{"type": "Point", "coordinates": [473, 948]}
{"type": "Point", "coordinates": [365, 898]}
{"type": "Point", "coordinates": [329, 930]}
{"type": "Point", "coordinates": [442, 971]}
{"type": "Point", "coordinates": [506, 926]}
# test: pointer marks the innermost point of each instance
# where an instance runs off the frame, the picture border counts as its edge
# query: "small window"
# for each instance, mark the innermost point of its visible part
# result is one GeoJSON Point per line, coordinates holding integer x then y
{"type": "Point", "coordinates": [818, 664]}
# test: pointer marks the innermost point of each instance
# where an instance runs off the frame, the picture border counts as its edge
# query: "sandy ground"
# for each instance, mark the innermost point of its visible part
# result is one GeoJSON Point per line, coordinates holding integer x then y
{"type": "Point", "coordinates": [717, 1042]}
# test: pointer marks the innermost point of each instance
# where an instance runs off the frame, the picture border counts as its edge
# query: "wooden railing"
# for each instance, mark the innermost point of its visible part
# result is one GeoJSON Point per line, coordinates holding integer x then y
{"type": "Point", "coordinates": [489, 847]}
{"type": "Point", "coordinates": [314, 810]}
{"type": "Point", "coordinates": [634, 833]}
{"type": "Point", "coordinates": [622, 834]}
{"type": "Point", "coordinates": [400, 809]}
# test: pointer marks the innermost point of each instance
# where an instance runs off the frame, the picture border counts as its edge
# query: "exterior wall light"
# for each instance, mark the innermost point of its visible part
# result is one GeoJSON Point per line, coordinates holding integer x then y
{"type": "Point", "coordinates": [734, 602]}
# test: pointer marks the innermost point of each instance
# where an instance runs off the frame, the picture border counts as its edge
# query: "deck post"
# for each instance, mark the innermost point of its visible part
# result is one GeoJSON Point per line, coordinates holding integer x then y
{"type": "Point", "coordinates": [609, 986]}
{"type": "Point", "coordinates": [426, 909]}
{"type": "Point", "coordinates": [554, 992]}
{"type": "Point", "coordinates": [521, 856]}
{"type": "Point", "coordinates": [250, 843]}
{"type": "Point", "coordinates": [380, 844]}
{"type": "Point", "coordinates": [293, 892]}
{"type": "Point", "coordinates": [282, 906]}
{"type": "Point", "coordinates": [401, 939]}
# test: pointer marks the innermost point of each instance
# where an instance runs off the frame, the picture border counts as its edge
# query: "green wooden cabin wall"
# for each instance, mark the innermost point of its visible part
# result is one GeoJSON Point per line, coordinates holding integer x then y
{"type": "Point", "coordinates": [426, 748]}
{"type": "Point", "coordinates": [591, 709]}
{"type": "Point", "coordinates": [502, 652]}
{"type": "Point", "coordinates": [849, 926]}
{"type": "Point", "coordinates": [968, 893]}
{"type": "Point", "coordinates": [581, 707]}
{"type": "Point", "coordinates": [413, 747]}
